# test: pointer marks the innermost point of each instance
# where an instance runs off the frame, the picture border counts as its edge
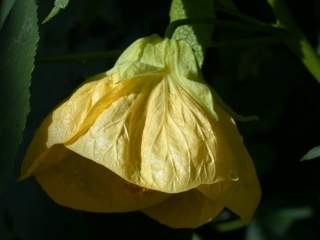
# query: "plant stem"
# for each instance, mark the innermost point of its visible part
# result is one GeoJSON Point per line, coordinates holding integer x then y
{"type": "Point", "coordinates": [248, 41]}
{"type": "Point", "coordinates": [296, 40]}
{"type": "Point", "coordinates": [253, 26]}
{"type": "Point", "coordinates": [81, 57]}
{"type": "Point", "coordinates": [266, 28]}
{"type": "Point", "coordinates": [245, 18]}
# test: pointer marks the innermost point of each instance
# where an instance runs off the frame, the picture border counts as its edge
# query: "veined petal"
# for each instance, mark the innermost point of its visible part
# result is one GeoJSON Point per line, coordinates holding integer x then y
{"type": "Point", "coordinates": [68, 118]}
{"type": "Point", "coordinates": [72, 119]}
{"type": "Point", "coordinates": [154, 54]}
{"type": "Point", "coordinates": [79, 183]}
{"type": "Point", "coordinates": [185, 210]}
{"type": "Point", "coordinates": [62, 124]}
{"type": "Point", "coordinates": [114, 139]}
{"type": "Point", "coordinates": [178, 144]}
{"type": "Point", "coordinates": [159, 139]}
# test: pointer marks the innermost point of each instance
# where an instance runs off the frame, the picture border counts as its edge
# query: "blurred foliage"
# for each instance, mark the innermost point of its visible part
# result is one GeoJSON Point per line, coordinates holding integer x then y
{"type": "Point", "coordinates": [249, 65]}
{"type": "Point", "coordinates": [312, 153]}
{"type": "Point", "coordinates": [58, 5]}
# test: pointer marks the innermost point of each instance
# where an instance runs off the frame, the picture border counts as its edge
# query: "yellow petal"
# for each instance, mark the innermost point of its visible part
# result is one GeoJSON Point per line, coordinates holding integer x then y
{"type": "Point", "coordinates": [79, 183]}
{"type": "Point", "coordinates": [72, 118]}
{"type": "Point", "coordinates": [159, 139]}
{"type": "Point", "coordinates": [39, 155]}
{"type": "Point", "coordinates": [68, 119]}
{"type": "Point", "coordinates": [243, 193]}
{"type": "Point", "coordinates": [185, 210]}
{"type": "Point", "coordinates": [113, 139]}
{"type": "Point", "coordinates": [177, 148]}
{"type": "Point", "coordinates": [76, 115]}
{"type": "Point", "coordinates": [215, 191]}
{"type": "Point", "coordinates": [62, 124]}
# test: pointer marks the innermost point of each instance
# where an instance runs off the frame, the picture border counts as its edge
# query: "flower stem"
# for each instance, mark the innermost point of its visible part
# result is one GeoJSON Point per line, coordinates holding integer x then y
{"type": "Point", "coordinates": [244, 18]}
{"type": "Point", "coordinates": [296, 40]}
{"type": "Point", "coordinates": [248, 41]}
{"type": "Point", "coordinates": [248, 25]}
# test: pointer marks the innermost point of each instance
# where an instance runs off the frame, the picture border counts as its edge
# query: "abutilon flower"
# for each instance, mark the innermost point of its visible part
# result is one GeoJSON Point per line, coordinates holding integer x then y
{"type": "Point", "coordinates": [145, 135]}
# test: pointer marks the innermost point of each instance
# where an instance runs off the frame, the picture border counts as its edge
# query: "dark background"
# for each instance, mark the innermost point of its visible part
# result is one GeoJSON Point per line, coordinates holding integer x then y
{"type": "Point", "coordinates": [262, 79]}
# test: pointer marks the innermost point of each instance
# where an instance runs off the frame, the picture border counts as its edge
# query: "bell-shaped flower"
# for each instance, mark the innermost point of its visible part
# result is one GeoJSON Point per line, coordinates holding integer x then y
{"type": "Point", "coordinates": [146, 135]}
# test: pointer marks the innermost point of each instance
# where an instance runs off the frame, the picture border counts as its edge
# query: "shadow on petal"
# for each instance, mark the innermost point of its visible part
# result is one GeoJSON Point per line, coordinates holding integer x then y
{"type": "Point", "coordinates": [80, 183]}
{"type": "Point", "coordinates": [185, 210]}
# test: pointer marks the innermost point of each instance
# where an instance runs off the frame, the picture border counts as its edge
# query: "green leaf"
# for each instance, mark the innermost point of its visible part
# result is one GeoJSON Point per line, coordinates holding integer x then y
{"type": "Point", "coordinates": [58, 5]}
{"type": "Point", "coordinates": [197, 35]}
{"type": "Point", "coordinates": [18, 42]}
{"type": "Point", "coordinates": [5, 8]}
{"type": "Point", "coordinates": [312, 153]}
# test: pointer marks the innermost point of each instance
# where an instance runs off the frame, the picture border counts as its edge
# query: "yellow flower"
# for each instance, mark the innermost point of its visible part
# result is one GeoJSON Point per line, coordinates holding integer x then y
{"type": "Point", "coordinates": [146, 135]}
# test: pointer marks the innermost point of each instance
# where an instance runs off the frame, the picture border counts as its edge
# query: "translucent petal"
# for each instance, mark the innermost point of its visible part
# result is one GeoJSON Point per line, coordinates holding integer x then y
{"type": "Point", "coordinates": [62, 124]}
{"type": "Point", "coordinates": [113, 139]}
{"type": "Point", "coordinates": [185, 210]}
{"type": "Point", "coordinates": [76, 115]}
{"type": "Point", "coordinates": [178, 142]}
{"type": "Point", "coordinates": [159, 138]}
{"type": "Point", "coordinates": [79, 183]}
{"type": "Point", "coordinates": [72, 119]}
{"type": "Point", "coordinates": [68, 118]}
